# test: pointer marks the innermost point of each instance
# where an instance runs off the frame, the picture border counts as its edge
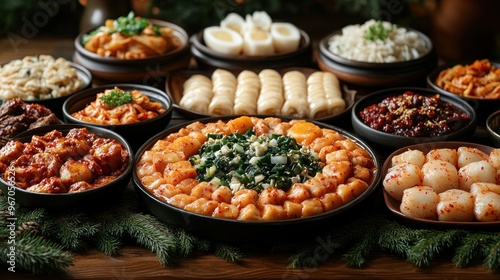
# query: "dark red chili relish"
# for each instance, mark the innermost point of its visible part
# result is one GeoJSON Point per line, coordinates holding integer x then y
{"type": "Point", "coordinates": [415, 115]}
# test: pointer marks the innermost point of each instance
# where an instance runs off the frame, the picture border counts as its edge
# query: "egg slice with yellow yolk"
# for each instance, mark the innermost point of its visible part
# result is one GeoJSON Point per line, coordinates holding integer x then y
{"type": "Point", "coordinates": [223, 40]}
{"type": "Point", "coordinates": [234, 22]}
{"type": "Point", "coordinates": [257, 42]}
{"type": "Point", "coordinates": [286, 37]}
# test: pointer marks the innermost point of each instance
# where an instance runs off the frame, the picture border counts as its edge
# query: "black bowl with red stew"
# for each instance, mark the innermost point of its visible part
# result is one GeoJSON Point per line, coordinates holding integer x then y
{"type": "Point", "coordinates": [64, 167]}
{"type": "Point", "coordinates": [399, 117]}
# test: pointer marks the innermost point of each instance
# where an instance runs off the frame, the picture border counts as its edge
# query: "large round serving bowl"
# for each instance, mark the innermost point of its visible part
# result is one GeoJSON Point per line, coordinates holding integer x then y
{"type": "Point", "coordinates": [208, 58]}
{"type": "Point", "coordinates": [148, 70]}
{"type": "Point", "coordinates": [483, 107]}
{"type": "Point", "coordinates": [230, 230]}
{"type": "Point", "coordinates": [394, 205]}
{"type": "Point", "coordinates": [135, 133]}
{"type": "Point", "coordinates": [55, 104]}
{"type": "Point", "coordinates": [89, 199]}
{"type": "Point", "coordinates": [377, 75]}
{"type": "Point", "coordinates": [493, 128]}
{"type": "Point", "coordinates": [388, 140]}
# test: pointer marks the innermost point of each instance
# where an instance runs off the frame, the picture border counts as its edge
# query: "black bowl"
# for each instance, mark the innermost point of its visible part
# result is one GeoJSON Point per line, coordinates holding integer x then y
{"type": "Point", "coordinates": [56, 104]}
{"type": "Point", "coordinates": [135, 133]}
{"type": "Point", "coordinates": [483, 107]}
{"type": "Point", "coordinates": [249, 231]}
{"type": "Point", "coordinates": [142, 70]}
{"type": "Point", "coordinates": [395, 141]}
{"type": "Point", "coordinates": [493, 128]}
{"type": "Point", "coordinates": [378, 75]}
{"type": "Point", "coordinates": [208, 58]}
{"type": "Point", "coordinates": [68, 201]}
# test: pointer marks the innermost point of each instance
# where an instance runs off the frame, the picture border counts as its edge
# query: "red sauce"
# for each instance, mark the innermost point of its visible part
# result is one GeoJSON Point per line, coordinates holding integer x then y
{"type": "Point", "coordinates": [415, 115]}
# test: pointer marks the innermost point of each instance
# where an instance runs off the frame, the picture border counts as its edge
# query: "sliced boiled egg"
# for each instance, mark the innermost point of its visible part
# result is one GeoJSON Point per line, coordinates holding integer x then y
{"type": "Point", "coordinates": [258, 20]}
{"type": "Point", "coordinates": [223, 40]}
{"type": "Point", "coordinates": [286, 37]}
{"type": "Point", "coordinates": [257, 42]}
{"type": "Point", "coordinates": [234, 21]}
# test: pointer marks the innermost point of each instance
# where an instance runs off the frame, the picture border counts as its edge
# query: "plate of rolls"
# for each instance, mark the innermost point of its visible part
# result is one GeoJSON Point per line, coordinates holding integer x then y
{"type": "Point", "coordinates": [288, 92]}
{"type": "Point", "coordinates": [444, 184]}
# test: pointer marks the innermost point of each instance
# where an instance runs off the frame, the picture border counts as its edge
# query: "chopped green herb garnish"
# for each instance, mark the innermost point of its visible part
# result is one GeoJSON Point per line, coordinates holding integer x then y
{"type": "Point", "coordinates": [247, 161]}
{"type": "Point", "coordinates": [127, 26]}
{"type": "Point", "coordinates": [377, 31]}
{"type": "Point", "coordinates": [117, 97]}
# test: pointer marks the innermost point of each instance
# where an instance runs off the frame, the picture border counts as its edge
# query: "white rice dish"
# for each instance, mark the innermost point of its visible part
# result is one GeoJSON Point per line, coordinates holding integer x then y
{"type": "Point", "coordinates": [399, 45]}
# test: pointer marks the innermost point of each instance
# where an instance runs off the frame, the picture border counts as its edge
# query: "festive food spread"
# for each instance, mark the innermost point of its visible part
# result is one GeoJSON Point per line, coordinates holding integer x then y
{"type": "Point", "coordinates": [266, 92]}
{"type": "Point", "coordinates": [57, 163]}
{"type": "Point", "coordinates": [480, 79]}
{"type": "Point", "coordinates": [251, 168]}
{"type": "Point", "coordinates": [264, 158]}
{"type": "Point", "coordinates": [377, 42]}
{"type": "Point", "coordinates": [117, 106]}
{"type": "Point", "coordinates": [415, 115]}
{"type": "Point", "coordinates": [131, 37]}
{"type": "Point", "coordinates": [38, 78]}
{"type": "Point", "coordinates": [446, 184]}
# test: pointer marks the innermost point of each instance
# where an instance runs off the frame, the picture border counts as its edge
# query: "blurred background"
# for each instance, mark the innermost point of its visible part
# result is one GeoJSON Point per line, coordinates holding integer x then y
{"type": "Point", "coordinates": [460, 29]}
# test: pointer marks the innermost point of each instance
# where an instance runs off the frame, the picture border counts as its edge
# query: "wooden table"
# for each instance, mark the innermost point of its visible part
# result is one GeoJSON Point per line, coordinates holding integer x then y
{"type": "Point", "coordinates": [138, 263]}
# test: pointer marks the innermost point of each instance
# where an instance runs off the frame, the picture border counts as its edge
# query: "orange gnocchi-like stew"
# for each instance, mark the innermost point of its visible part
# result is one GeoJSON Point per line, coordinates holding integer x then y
{"type": "Point", "coordinates": [57, 163]}
{"type": "Point", "coordinates": [346, 171]}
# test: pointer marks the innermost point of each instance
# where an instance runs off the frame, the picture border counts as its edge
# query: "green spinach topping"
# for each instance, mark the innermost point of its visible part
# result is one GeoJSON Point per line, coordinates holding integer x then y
{"type": "Point", "coordinates": [378, 31]}
{"type": "Point", "coordinates": [247, 161]}
{"type": "Point", "coordinates": [117, 97]}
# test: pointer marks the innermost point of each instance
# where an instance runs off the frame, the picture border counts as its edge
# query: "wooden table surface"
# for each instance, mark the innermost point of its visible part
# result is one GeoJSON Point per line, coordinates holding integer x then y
{"type": "Point", "coordinates": [138, 263]}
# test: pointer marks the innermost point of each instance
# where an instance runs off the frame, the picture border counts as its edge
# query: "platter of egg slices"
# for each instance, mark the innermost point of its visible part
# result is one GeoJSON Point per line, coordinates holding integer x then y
{"type": "Point", "coordinates": [254, 41]}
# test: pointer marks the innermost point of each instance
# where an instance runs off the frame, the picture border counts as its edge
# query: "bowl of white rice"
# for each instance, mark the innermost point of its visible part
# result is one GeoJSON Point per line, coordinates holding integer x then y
{"type": "Point", "coordinates": [377, 53]}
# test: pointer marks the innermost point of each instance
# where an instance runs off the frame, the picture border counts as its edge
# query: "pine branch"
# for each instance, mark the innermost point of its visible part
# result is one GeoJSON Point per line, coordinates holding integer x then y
{"type": "Point", "coordinates": [108, 244]}
{"type": "Point", "coordinates": [358, 254]}
{"type": "Point", "coordinates": [73, 230]}
{"type": "Point", "coordinates": [228, 253]}
{"type": "Point", "coordinates": [304, 257]}
{"type": "Point", "coordinates": [38, 255]}
{"type": "Point", "coordinates": [152, 234]}
{"type": "Point", "coordinates": [397, 238]}
{"type": "Point", "coordinates": [471, 246]}
{"type": "Point", "coordinates": [433, 243]}
{"type": "Point", "coordinates": [187, 242]}
{"type": "Point", "coordinates": [492, 260]}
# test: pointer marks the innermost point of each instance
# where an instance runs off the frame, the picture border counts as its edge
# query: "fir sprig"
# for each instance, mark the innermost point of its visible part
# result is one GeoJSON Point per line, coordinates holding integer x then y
{"type": "Point", "coordinates": [38, 255]}
{"type": "Point", "coordinates": [147, 231]}
{"type": "Point", "coordinates": [228, 253]}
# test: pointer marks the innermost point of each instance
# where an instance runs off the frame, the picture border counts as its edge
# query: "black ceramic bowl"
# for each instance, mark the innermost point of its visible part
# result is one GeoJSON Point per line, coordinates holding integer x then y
{"type": "Point", "coordinates": [143, 70]}
{"type": "Point", "coordinates": [378, 75]}
{"type": "Point", "coordinates": [68, 201]}
{"type": "Point", "coordinates": [395, 141]}
{"type": "Point", "coordinates": [483, 107]}
{"type": "Point", "coordinates": [136, 133]}
{"type": "Point", "coordinates": [56, 104]}
{"type": "Point", "coordinates": [493, 128]}
{"type": "Point", "coordinates": [208, 58]}
{"type": "Point", "coordinates": [249, 231]}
